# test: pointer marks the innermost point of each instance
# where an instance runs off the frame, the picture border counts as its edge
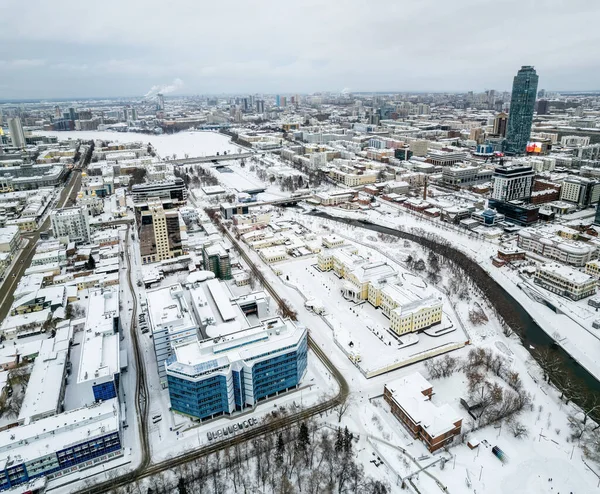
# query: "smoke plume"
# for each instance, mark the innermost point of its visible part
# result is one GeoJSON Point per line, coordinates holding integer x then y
{"type": "Point", "coordinates": [165, 89]}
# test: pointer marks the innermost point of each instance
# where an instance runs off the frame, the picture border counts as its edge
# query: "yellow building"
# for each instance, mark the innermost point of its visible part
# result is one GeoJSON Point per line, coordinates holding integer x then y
{"type": "Point", "coordinates": [353, 179]}
{"type": "Point", "coordinates": [416, 315]}
{"type": "Point", "coordinates": [24, 224]}
{"type": "Point", "coordinates": [331, 241]}
{"type": "Point", "coordinates": [593, 268]}
{"type": "Point", "coordinates": [325, 261]}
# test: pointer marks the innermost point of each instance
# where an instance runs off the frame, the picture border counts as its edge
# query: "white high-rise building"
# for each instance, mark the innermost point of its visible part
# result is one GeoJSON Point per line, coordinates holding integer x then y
{"type": "Point", "coordinates": [512, 182]}
{"type": "Point", "coordinates": [72, 223]}
{"type": "Point", "coordinates": [17, 135]}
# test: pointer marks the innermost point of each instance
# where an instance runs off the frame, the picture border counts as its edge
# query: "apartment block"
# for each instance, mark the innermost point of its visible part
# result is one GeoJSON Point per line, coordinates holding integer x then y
{"type": "Point", "coordinates": [565, 281]}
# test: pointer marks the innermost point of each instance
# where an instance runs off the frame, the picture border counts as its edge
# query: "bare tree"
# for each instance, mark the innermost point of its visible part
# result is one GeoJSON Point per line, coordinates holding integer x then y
{"type": "Point", "coordinates": [517, 429]}
{"type": "Point", "coordinates": [551, 364]}
{"type": "Point", "coordinates": [343, 407]}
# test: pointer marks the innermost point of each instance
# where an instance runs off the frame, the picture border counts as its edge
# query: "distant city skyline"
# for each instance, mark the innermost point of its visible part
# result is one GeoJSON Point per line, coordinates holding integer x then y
{"type": "Point", "coordinates": [58, 50]}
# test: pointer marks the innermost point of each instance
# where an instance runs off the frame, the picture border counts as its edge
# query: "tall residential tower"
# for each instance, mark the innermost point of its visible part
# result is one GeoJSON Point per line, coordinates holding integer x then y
{"type": "Point", "coordinates": [522, 104]}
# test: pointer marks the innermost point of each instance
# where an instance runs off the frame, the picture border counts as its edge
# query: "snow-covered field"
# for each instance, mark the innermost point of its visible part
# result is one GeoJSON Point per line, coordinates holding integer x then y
{"type": "Point", "coordinates": [572, 332]}
{"type": "Point", "coordinates": [190, 143]}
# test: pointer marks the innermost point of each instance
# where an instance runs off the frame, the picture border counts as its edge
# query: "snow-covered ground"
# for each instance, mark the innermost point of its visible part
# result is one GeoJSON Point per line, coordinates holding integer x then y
{"type": "Point", "coordinates": [362, 329]}
{"type": "Point", "coordinates": [199, 143]}
{"type": "Point", "coordinates": [572, 331]}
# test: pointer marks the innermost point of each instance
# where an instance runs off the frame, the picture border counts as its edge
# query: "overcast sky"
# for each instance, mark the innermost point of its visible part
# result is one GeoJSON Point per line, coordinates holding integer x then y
{"type": "Point", "coordinates": [77, 48]}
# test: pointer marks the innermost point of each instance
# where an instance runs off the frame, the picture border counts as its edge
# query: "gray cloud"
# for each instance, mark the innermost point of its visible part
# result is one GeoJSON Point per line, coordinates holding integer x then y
{"type": "Point", "coordinates": [125, 47]}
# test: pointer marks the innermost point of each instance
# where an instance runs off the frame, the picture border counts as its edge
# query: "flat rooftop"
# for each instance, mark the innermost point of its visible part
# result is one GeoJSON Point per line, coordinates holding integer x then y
{"type": "Point", "coordinates": [272, 334]}
{"type": "Point", "coordinates": [100, 344]}
{"type": "Point", "coordinates": [46, 436]}
{"type": "Point", "coordinates": [168, 308]}
{"type": "Point", "coordinates": [46, 380]}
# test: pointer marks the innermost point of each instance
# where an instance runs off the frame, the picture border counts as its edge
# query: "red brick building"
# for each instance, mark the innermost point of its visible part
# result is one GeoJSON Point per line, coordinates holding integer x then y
{"type": "Point", "coordinates": [410, 401]}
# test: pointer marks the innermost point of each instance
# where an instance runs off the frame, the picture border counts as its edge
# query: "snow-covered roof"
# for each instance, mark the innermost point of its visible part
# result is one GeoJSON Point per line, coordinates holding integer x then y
{"type": "Point", "coordinates": [43, 393]}
{"type": "Point", "coordinates": [100, 345]}
{"type": "Point", "coordinates": [51, 434]}
{"type": "Point", "coordinates": [566, 273]}
{"type": "Point", "coordinates": [200, 357]}
{"type": "Point", "coordinates": [407, 392]}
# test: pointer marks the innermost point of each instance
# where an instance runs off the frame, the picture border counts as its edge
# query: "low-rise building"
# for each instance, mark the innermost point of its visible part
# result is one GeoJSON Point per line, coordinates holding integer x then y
{"type": "Point", "coordinates": [593, 268]}
{"type": "Point", "coordinates": [9, 239]}
{"type": "Point", "coordinates": [331, 241]}
{"type": "Point", "coordinates": [273, 254]}
{"type": "Point", "coordinates": [565, 281]}
{"type": "Point", "coordinates": [60, 444]}
{"type": "Point", "coordinates": [574, 252]}
{"type": "Point", "coordinates": [410, 401]}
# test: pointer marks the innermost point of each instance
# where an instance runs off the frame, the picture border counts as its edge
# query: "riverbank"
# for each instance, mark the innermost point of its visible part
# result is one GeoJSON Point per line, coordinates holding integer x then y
{"type": "Point", "coordinates": [536, 324]}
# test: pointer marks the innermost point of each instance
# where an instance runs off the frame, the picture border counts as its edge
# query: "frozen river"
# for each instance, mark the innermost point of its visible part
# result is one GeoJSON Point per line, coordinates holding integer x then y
{"type": "Point", "coordinates": [182, 143]}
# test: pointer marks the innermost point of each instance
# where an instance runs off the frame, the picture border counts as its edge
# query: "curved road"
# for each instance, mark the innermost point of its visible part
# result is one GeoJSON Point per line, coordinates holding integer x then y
{"type": "Point", "coordinates": [146, 469]}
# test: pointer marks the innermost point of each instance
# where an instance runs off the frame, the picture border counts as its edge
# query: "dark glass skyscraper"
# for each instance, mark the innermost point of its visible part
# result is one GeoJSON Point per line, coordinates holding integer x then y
{"type": "Point", "coordinates": [522, 104]}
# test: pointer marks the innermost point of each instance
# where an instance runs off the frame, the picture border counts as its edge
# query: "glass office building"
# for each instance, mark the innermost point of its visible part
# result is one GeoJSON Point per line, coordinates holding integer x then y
{"type": "Point", "coordinates": [227, 374]}
{"type": "Point", "coordinates": [522, 105]}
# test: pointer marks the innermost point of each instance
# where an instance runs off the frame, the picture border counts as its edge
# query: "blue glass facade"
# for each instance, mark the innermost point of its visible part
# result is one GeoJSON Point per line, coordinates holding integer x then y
{"type": "Point", "coordinates": [105, 391]}
{"type": "Point", "coordinates": [224, 389]}
{"type": "Point", "coordinates": [279, 373]}
{"type": "Point", "coordinates": [522, 104]}
{"type": "Point", "coordinates": [14, 475]}
{"type": "Point", "coordinates": [200, 399]}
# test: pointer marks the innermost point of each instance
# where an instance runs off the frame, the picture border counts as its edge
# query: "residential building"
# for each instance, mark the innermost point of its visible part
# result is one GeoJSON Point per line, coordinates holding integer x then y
{"type": "Point", "coordinates": [216, 259]}
{"type": "Point", "coordinates": [593, 268]}
{"type": "Point", "coordinates": [512, 182]}
{"type": "Point", "coordinates": [159, 231]}
{"type": "Point", "coordinates": [223, 375]}
{"type": "Point", "coordinates": [72, 223]}
{"type": "Point", "coordinates": [500, 124]}
{"type": "Point", "coordinates": [582, 191]}
{"type": "Point", "coordinates": [46, 388]}
{"type": "Point", "coordinates": [522, 105]}
{"type": "Point", "coordinates": [565, 281]}
{"type": "Point", "coordinates": [10, 239]}
{"type": "Point", "coordinates": [30, 176]}
{"type": "Point", "coordinates": [410, 401]}
{"type": "Point", "coordinates": [574, 252]}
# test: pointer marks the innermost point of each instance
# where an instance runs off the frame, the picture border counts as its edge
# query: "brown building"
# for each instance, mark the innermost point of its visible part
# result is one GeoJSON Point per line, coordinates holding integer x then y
{"type": "Point", "coordinates": [510, 255]}
{"type": "Point", "coordinates": [410, 401]}
{"type": "Point", "coordinates": [159, 231]}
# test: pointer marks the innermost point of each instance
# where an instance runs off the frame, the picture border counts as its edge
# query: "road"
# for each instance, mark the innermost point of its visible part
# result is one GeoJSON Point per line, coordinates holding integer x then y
{"type": "Point", "coordinates": [141, 384]}
{"type": "Point", "coordinates": [146, 469]}
{"type": "Point", "coordinates": [26, 255]}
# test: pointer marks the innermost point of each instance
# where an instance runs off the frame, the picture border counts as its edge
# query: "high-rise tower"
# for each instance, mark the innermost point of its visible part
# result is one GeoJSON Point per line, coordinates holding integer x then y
{"type": "Point", "coordinates": [522, 104]}
{"type": "Point", "coordinates": [17, 135]}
